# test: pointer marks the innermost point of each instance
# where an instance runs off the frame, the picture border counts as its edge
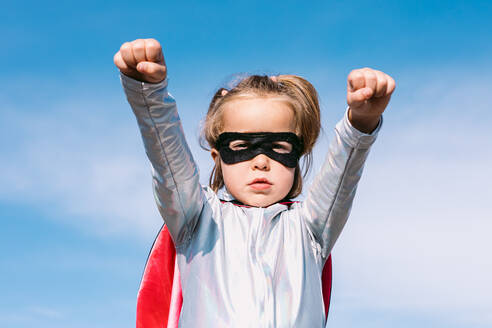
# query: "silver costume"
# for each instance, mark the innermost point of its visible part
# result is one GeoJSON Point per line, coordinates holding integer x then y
{"type": "Point", "coordinates": [245, 266]}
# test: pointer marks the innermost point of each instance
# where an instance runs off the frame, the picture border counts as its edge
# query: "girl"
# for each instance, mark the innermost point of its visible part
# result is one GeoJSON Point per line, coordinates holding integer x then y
{"type": "Point", "coordinates": [253, 259]}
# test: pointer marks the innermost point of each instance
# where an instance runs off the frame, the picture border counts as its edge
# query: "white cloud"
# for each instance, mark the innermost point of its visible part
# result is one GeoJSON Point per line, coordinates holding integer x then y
{"type": "Point", "coordinates": [28, 316]}
{"type": "Point", "coordinates": [46, 312]}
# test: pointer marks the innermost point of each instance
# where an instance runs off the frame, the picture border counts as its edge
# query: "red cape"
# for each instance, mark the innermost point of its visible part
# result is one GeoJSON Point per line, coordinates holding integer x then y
{"type": "Point", "coordinates": [159, 298]}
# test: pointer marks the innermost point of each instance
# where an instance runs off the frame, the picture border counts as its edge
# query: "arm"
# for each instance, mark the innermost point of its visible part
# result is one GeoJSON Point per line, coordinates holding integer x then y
{"type": "Point", "coordinates": [330, 197]}
{"type": "Point", "coordinates": [175, 176]}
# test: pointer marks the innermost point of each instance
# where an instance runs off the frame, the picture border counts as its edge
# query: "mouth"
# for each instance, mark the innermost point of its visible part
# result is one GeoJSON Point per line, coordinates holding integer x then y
{"type": "Point", "coordinates": [260, 184]}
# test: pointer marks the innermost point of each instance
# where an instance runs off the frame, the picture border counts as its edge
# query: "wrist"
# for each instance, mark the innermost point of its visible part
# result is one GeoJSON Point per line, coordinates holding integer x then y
{"type": "Point", "coordinates": [363, 123]}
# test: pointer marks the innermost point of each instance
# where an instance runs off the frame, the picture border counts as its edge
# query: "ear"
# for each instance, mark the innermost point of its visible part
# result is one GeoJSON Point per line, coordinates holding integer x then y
{"type": "Point", "coordinates": [214, 153]}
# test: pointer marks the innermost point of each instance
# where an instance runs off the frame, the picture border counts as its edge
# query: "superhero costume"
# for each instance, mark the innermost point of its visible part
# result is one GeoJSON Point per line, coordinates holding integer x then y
{"type": "Point", "coordinates": [243, 266]}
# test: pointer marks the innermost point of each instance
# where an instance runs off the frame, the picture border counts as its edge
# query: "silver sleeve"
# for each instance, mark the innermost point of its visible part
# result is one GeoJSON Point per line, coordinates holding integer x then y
{"type": "Point", "coordinates": [176, 185]}
{"type": "Point", "coordinates": [329, 199]}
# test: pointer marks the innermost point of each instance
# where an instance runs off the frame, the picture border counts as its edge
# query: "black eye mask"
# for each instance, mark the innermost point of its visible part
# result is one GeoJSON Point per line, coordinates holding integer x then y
{"type": "Point", "coordinates": [283, 147]}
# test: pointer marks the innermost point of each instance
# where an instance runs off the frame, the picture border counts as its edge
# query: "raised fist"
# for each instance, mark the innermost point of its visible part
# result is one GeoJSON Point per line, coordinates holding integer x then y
{"type": "Point", "coordinates": [368, 94]}
{"type": "Point", "coordinates": [142, 60]}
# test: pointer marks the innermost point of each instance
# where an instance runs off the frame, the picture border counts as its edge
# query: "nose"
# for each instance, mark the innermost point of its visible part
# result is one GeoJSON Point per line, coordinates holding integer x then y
{"type": "Point", "coordinates": [260, 162]}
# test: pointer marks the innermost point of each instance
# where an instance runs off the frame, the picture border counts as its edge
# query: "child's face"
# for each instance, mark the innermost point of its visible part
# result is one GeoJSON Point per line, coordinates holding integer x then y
{"type": "Point", "coordinates": [260, 181]}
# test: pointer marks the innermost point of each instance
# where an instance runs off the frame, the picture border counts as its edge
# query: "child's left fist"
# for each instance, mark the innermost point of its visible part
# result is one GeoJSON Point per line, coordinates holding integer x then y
{"type": "Point", "coordinates": [368, 94]}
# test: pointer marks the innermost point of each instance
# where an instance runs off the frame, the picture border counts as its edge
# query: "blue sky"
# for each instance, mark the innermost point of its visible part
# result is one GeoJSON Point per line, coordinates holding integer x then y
{"type": "Point", "coordinates": [76, 204]}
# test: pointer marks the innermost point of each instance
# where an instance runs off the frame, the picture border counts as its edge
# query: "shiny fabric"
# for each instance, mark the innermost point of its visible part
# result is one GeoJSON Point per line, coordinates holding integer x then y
{"type": "Point", "coordinates": [244, 266]}
{"type": "Point", "coordinates": [160, 298]}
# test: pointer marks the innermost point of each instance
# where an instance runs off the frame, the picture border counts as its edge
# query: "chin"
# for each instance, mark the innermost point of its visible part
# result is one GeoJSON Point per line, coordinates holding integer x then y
{"type": "Point", "coordinates": [258, 199]}
{"type": "Point", "coordinates": [261, 202]}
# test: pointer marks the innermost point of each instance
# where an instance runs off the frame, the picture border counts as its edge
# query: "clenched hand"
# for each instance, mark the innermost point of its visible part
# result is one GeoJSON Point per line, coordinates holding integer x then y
{"type": "Point", "coordinates": [368, 94]}
{"type": "Point", "coordinates": [142, 59]}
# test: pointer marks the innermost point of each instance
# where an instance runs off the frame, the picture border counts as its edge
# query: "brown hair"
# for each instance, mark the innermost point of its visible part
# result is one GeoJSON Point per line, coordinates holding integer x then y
{"type": "Point", "coordinates": [301, 97]}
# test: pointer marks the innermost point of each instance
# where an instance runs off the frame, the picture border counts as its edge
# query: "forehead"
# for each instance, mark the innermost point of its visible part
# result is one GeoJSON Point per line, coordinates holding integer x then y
{"type": "Point", "coordinates": [258, 114]}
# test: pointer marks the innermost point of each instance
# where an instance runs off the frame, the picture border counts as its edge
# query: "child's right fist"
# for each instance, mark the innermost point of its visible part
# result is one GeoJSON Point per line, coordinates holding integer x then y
{"type": "Point", "coordinates": [142, 60]}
